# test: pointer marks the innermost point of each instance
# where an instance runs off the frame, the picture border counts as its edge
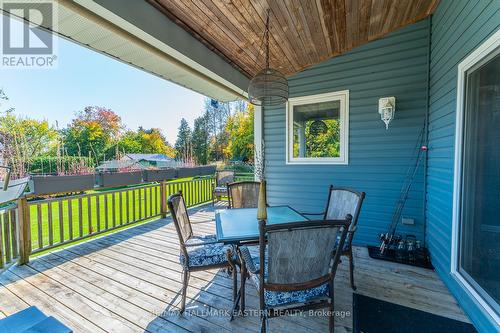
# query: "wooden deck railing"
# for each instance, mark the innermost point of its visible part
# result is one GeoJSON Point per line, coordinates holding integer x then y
{"type": "Point", "coordinates": [30, 227]}
{"type": "Point", "coordinates": [59, 221]}
{"type": "Point", "coordinates": [8, 235]}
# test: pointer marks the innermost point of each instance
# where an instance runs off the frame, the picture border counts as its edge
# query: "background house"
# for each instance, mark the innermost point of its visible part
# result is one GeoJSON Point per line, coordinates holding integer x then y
{"type": "Point", "coordinates": [152, 160]}
{"type": "Point", "coordinates": [120, 165]}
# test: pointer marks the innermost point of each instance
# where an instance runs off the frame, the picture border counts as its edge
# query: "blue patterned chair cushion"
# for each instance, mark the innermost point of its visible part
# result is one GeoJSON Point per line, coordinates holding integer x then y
{"type": "Point", "coordinates": [201, 240]}
{"type": "Point", "coordinates": [204, 251]}
{"type": "Point", "coordinates": [278, 298]}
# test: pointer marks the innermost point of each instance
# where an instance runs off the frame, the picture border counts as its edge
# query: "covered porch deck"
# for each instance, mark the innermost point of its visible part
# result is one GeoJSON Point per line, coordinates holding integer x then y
{"type": "Point", "coordinates": [130, 281]}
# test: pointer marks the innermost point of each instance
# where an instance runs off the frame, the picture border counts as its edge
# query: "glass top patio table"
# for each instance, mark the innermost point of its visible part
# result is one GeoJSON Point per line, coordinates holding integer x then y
{"type": "Point", "coordinates": [241, 224]}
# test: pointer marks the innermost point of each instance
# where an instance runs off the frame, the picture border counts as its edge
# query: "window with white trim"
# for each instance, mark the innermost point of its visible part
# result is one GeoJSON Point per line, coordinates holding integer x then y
{"type": "Point", "coordinates": [475, 258]}
{"type": "Point", "coordinates": [318, 129]}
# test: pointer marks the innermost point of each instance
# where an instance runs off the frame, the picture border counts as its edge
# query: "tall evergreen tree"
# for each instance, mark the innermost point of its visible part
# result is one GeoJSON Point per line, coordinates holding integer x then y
{"type": "Point", "coordinates": [217, 114]}
{"type": "Point", "coordinates": [200, 140]}
{"type": "Point", "coordinates": [183, 142]}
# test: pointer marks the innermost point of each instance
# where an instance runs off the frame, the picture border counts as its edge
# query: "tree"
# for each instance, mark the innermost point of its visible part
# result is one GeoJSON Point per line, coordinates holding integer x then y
{"type": "Point", "coordinates": [183, 142]}
{"type": "Point", "coordinates": [323, 144]}
{"type": "Point", "coordinates": [152, 141]}
{"type": "Point", "coordinates": [129, 142]}
{"type": "Point", "coordinates": [93, 132]}
{"type": "Point", "coordinates": [216, 114]}
{"type": "Point", "coordinates": [239, 129]}
{"type": "Point", "coordinates": [33, 137]}
{"type": "Point", "coordinates": [85, 138]}
{"type": "Point", "coordinates": [23, 139]}
{"type": "Point", "coordinates": [3, 97]}
{"type": "Point", "coordinates": [110, 122]}
{"type": "Point", "coordinates": [200, 140]}
{"type": "Point", "coordinates": [212, 133]}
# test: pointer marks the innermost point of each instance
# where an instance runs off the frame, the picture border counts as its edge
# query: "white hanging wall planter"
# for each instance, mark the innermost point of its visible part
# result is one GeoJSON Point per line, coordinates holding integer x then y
{"type": "Point", "coordinates": [386, 109]}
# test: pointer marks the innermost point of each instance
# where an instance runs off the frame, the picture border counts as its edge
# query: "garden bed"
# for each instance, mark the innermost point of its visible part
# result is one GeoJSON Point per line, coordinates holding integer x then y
{"type": "Point", "coordinates": [61, 184]}
{"type": "Point", "coordinates": [159, 175]}
{"type": "Point", "coordinates": [117, 179]}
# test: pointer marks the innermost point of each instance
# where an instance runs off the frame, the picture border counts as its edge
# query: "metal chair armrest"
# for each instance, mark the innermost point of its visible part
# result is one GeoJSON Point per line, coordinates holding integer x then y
{"type": "Point", "coordinates": [202, 221]}
{"type": "Point", "coordinates": [233, 257]}
{"type": "Point", "coordinates": [306, 214]}
{"type": "Point", "coordinates": [200, 244]}
{"type": "Point", "coordinates": [246, 259]}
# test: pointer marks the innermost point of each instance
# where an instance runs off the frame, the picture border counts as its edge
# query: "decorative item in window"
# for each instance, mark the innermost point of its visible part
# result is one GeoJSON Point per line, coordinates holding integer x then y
{"type": "Point", "coordinates": [386, 109]}
{"type": "Point", "coordinates": [269, 87]}
{"type": "Point", "coordinates": [318, 127]}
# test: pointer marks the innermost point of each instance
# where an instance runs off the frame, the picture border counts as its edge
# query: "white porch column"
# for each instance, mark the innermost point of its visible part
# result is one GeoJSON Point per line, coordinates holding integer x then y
{"type": "Point", "coordinates": [258, 130]}
{"type": "Point", "coordinates": [302, 139]}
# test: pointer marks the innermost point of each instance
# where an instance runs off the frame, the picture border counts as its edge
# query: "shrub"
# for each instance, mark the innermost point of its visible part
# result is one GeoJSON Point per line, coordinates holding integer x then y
{"type": "Point", "coordinates": [65, 165]}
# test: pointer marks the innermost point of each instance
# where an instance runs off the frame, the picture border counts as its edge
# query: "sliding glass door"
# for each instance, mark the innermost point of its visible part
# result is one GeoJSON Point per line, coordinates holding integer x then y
{"type": "Point", "coordinates": [478, 260]}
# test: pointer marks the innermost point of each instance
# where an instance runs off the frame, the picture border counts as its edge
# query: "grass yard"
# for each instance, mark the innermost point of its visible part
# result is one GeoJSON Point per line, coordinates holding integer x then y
{"type": "Point", "coordinates": [65, 219]}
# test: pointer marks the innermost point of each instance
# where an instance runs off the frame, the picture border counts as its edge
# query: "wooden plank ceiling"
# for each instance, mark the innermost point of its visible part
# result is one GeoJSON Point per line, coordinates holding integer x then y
{"type": "Point", "coordinates": [303, 32]}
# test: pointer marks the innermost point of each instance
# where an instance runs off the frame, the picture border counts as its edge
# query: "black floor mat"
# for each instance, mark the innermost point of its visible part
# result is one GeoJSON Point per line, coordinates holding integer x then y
{"type": "Point", "coordinates": [371, 315]}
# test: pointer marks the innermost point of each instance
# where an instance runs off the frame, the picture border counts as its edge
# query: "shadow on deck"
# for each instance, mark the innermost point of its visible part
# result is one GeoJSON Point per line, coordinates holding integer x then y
{"type": "Point", "coordinates": [130, 281]}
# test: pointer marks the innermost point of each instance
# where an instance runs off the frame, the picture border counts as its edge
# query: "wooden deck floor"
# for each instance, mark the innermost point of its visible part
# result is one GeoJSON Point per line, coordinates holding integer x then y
{"type": "Point", "coordinates": [130, 281]}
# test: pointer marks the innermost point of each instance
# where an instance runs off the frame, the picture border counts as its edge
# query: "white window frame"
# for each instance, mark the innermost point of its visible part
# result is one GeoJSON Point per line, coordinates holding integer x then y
{"type": "Point", "coordinates": [485, 50]}
{"type": "Point", "coordinates": [343, 97]}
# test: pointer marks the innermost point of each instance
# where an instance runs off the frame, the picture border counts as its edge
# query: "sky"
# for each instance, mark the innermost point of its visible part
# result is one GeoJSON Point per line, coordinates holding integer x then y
{"type": "Point", "coordinates": [86, 78]}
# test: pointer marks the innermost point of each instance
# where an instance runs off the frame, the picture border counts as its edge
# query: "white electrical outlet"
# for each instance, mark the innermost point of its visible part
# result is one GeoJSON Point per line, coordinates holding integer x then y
{"type": "Point", "coordinates": [407, 221]}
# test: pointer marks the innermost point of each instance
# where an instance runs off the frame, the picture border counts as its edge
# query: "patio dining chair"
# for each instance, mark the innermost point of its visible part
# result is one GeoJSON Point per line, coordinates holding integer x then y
{"type": "Point", "coordinates": [198, 253]}
{"type": "Point", "coordinates": [243, 194]}
{"type": "Point", "coordinates": [219, 187]}
{"type": "Point", "coordinates": [296, 266]}
{"type": "Point", "coordinates": [342, 201]}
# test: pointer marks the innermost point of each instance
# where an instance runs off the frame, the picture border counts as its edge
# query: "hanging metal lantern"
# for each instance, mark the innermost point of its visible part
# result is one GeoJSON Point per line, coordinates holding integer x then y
{"type": "Point", "coordinates": [318, 127]}
{"type": "Point", "coordinates": [269, 86]}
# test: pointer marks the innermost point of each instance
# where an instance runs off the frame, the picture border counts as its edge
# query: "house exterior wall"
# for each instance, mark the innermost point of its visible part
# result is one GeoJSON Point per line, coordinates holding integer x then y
{"type": "Point", "coordinates": [416, 63]}
{"type": "Point", "coordinates": [458, 27]}
{"type": "Point", "coordinates": [396, 65]}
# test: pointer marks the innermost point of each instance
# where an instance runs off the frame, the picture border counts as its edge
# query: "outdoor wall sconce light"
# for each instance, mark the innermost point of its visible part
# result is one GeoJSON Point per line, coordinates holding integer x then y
{"type": "Point", "coordinates": [386, 109]}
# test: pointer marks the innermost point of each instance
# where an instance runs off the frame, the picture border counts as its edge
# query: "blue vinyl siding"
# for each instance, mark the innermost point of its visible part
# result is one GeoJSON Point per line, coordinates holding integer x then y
{"type": "Point", "coordinates": [458, 27]}
{"type": "Point", "coordinates": [396, 65]}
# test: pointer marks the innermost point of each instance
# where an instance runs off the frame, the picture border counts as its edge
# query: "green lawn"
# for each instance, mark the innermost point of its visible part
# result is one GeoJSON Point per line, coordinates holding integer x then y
{"type": "Point", "coordinates": [90, 215]}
